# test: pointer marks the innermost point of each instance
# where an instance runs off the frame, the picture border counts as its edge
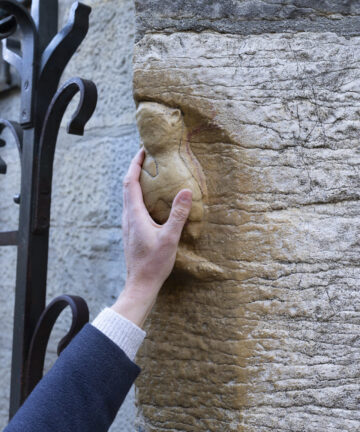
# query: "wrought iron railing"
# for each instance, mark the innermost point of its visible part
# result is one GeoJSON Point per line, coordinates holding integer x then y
{"type": "Point", "coordinates": [40, 57]}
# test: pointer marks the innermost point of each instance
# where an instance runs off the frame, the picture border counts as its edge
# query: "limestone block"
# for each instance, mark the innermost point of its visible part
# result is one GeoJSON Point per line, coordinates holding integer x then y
{"type": "Point", "coordinates": [271, 342]}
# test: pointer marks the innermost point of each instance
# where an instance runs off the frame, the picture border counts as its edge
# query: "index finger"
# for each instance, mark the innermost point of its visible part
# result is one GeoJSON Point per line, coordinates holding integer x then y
{"type": "Point", "coordinates": [133, 173]}
{"type": "Point", "coordinates": [131, 186]}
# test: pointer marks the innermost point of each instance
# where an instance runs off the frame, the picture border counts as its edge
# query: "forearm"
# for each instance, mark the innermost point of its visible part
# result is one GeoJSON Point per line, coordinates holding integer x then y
{"type": "Point", "coordinates": [88, 383]}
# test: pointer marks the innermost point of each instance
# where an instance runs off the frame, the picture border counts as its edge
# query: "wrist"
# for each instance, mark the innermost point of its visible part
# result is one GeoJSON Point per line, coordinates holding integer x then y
{"type": "Point", "coordinates": [133, 306]}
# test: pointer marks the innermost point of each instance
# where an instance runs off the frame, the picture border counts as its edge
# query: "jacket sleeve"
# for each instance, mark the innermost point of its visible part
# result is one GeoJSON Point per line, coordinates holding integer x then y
{"type": "Point", "coordinates": [82, 392]}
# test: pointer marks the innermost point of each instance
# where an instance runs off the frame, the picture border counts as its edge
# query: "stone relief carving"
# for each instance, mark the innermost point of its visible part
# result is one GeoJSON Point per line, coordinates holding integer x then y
{"type": "Point", "coordinates": [169, 165]}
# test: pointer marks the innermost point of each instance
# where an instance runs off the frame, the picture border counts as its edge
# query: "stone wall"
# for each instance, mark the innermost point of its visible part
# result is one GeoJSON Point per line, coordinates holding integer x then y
{"type": "Point", "coordinates": [257, 329]}
{"type": "Point", "coordinates": [270, 96]}
{"type": "Point", "coordinates": [85, 246]}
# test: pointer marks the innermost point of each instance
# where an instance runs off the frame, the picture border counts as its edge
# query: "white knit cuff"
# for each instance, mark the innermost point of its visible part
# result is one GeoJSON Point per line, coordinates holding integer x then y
{"type": "Point", "coordinates": [124, 333]}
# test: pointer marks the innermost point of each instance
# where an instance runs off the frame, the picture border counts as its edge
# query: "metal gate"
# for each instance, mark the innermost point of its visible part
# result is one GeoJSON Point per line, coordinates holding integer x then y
{"type": "Point", "coordinates": [32, 45]}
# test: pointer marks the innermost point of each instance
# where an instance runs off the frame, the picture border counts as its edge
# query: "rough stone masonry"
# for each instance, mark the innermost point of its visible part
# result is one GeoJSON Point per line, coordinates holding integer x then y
{"type": "Point", "coordinates": [270, 97]}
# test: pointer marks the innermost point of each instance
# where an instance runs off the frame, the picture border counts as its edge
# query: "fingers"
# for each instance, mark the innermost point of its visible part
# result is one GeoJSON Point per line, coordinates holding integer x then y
{"type": "Point", "coordinates": [131, 187]}
{"type": "Point", "coordinates": [134, 170]}
{"type": "Point", "coordinates": [179, 213]}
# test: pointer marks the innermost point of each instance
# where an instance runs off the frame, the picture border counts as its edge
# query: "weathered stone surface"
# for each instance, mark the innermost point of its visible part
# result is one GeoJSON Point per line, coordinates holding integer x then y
{"type": "Point", "coordinates": [248, 16]}
{"type": "Point", "coordinates": [272, 343]}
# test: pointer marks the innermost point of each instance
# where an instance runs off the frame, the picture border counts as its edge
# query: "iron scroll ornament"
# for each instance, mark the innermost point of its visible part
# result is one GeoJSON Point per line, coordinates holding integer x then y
{"type": "Point", "coordinates": [80, 316]}
{"type": "Point", "coordinates": [40, 58]}
{"type": "Point", "coordinates": [86, 107]}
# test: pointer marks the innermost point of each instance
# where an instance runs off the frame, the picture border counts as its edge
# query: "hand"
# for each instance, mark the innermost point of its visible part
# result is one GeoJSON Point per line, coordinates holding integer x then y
{"type": "Point", "coordinates": [150, 249]}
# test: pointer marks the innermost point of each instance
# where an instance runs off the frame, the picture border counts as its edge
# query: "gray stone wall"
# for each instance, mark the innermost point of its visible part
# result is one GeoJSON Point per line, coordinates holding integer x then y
{"type": "Point", "coordinates": [248, 16]}
{"type": "Point", "coordinates": [86, 255]}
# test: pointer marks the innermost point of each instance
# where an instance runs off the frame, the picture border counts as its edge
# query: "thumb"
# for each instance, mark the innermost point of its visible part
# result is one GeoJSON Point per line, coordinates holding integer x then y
{"type": "Point", "coordinates": [179, 213]}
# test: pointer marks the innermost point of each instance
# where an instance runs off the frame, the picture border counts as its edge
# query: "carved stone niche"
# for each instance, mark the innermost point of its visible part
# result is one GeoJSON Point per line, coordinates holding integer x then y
{"type": "Point", "coordinates": [257, 329]}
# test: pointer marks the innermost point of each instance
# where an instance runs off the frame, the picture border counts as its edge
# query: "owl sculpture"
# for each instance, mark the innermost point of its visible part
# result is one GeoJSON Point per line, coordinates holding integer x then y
{"type": "Point", "coordinates": [169, 165]}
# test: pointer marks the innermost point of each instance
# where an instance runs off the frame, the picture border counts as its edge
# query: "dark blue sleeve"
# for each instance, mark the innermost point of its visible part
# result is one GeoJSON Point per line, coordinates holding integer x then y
{"type": "Point", "coordinates": [82, 392]}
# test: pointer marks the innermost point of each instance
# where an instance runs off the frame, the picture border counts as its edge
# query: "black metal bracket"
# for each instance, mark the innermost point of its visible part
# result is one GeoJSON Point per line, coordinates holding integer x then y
{"type": "Point", "coordinates": [40, 58]}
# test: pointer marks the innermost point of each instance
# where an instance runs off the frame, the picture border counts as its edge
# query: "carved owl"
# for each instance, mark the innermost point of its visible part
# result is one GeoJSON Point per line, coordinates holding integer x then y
{"type": "Point", "coordinates": [169, 164]}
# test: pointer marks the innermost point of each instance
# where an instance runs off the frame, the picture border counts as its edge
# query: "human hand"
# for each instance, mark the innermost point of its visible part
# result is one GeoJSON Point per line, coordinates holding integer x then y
{"type": "Point", "coordinates": [150, 249]}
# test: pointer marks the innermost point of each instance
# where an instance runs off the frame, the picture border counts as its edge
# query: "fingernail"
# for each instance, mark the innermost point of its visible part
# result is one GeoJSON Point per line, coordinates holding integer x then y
{"type": "Point", "coordinates": [186, 197]}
